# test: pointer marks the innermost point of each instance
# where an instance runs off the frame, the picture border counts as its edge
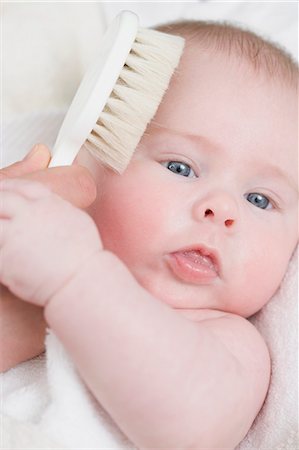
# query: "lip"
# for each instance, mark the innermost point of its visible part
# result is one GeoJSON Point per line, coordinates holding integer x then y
{"type": "Point", "coordinates": [196, 265]}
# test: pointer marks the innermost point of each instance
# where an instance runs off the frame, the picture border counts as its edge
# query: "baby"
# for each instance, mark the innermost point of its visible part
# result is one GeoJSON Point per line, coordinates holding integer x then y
{"type": "Point", "coordinates": [150, 291]}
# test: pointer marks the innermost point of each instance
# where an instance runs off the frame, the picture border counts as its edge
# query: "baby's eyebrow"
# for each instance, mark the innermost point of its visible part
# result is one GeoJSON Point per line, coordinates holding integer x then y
{"type": "Point", "coordinates": [273, 171]}
{"type": "Point", "coordinates": [177, 132]}
{"type": "Point", "coordinates": [264, 168]}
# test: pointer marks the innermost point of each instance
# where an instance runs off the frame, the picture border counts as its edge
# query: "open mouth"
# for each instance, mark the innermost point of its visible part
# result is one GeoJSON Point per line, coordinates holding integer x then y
{"type": "Point", "coordinates": [195, 265]}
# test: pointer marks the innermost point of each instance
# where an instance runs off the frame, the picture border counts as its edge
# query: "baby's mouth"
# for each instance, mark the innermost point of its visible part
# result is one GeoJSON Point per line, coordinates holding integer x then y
{"type": "Point", "coordinates": [196, 265]}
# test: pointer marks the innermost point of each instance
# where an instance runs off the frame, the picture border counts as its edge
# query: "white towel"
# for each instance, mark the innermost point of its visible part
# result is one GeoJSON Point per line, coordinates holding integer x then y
{"type": "Point", "coordinates": [44, 404]}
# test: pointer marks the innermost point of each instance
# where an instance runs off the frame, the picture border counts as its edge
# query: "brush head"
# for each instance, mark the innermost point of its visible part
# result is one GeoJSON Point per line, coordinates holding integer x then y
{"type": "Point", "coordinates": [119, 94]}
{"type": "Point", "coordinates": [135, 98]}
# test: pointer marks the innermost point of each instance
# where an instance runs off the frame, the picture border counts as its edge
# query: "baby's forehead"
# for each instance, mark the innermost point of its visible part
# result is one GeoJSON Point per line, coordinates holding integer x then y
{"type": "Point", "coordinates": [256, 118]}
{"type": "Point", "coordinates": [236, 89]}
{"type": "Point", "coordinates": [260, 55]}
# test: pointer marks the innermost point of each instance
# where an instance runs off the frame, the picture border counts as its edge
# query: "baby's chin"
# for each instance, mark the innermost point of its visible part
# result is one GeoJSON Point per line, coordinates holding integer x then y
{"type": "Point", "coordinates": [186, 297]}
{"type": "Point", "coordinates": [180, 295]}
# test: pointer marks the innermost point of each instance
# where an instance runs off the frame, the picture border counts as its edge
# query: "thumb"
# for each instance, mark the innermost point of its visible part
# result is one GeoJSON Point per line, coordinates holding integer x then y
{"type": "Point", "coordinates": [37, 159]}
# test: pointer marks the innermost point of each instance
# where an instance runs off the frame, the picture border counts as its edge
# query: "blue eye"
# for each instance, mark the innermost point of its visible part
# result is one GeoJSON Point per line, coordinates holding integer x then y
{"type": "Point", "coordinates": [258, 200]}
{"type": "Point", "coordinates": [179, 168]}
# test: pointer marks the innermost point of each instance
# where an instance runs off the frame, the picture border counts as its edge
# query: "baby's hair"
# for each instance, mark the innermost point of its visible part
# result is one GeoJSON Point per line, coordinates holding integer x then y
{"type": "Point", "coordinates": [262, 54]}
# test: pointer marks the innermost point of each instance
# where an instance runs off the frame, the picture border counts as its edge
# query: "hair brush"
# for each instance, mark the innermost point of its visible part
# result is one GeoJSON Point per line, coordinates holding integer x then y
{"type": "Point", "coordinates": [119, 94]}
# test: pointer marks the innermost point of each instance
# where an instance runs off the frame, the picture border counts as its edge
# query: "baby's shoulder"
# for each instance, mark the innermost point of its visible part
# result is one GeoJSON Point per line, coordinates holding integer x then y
{"type": "Point", "coordinates": [241, 342]}
{"type": "Point", "coordinates": [235, 364]}
{"type": "Point", "coordinates": [244, 342]}
{"type": "Point", "coordinates": [238, 335]}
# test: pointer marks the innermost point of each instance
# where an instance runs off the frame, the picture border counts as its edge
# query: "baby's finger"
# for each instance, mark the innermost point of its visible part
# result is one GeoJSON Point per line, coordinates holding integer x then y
{"type": "Point", "coordinates": [4, 225]}
{"type": "Point", "coordinates": [74, 183]}
{"type": "Point", "coordinates": [25, 188]}
{"type": "Point", "coordinates": [11, 204]}
{"type": "Point", "coordinates": [37, 159]}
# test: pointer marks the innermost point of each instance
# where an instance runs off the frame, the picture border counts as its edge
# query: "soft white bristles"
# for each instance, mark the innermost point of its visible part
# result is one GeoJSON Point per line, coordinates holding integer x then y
{"type": "Point", "coordinates": [135, 98]}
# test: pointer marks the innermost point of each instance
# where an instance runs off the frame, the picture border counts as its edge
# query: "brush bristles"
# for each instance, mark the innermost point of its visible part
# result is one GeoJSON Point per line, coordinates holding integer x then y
{"type": "Point", "coordinates": [135, 97]}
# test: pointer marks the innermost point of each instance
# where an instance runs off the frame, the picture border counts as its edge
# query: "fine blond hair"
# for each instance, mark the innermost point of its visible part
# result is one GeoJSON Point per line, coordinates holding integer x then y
{"type": "Point", "coordinates": [262, 54]}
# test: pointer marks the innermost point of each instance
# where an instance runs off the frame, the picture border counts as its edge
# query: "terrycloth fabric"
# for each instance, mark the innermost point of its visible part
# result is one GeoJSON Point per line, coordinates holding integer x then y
{"type": "Point", "coordinates": [73, 417]}
{"type": "Point", "coordinates": [16, 435]}
{"type": "Point", "coordinates": [44, 402]}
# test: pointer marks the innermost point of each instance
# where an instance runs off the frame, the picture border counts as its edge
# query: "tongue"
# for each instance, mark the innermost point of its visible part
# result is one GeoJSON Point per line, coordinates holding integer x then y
{"type": "Point", "coordinates": [197, 258]}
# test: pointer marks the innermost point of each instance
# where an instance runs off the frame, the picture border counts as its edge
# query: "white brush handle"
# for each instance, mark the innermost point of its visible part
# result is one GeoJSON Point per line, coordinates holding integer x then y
{"type": "Point", "coordinates": [95, 88]}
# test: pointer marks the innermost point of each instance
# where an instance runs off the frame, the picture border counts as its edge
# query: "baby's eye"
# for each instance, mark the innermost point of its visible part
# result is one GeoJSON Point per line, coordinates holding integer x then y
{"type": "Point", "coordinates": [179, 168]}
{"type": "Point", "coordinates": [259, 200]}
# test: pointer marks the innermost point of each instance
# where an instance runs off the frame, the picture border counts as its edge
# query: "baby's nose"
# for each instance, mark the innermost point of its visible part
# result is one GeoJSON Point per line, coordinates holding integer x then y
{"type": "Point", "coordinates": [219, 208]}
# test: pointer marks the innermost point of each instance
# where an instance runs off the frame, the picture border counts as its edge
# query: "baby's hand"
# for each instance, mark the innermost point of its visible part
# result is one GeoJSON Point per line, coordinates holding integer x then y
{"type": "Point", "coordinates": [44, 240]}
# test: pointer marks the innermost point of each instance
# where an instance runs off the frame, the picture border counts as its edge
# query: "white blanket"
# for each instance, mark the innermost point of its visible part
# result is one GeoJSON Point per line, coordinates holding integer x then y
{"type": "Point", "coordinates": [46, 48]}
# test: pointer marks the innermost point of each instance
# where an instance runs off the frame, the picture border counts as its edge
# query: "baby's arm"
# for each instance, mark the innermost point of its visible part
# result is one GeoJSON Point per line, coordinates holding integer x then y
{"type": "Point", "coordinates": [167, 381]}
{"type": "Point", "coordinates": [22, 326]}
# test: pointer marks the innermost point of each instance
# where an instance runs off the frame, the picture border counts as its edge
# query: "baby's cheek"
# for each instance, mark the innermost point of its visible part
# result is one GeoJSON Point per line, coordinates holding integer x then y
{"type": "Point", "coordinates": [130, 220]}
{"type": "Point", "coordinates": [127, 230]}
{"type": "Point", "coordinates": [265, 269]}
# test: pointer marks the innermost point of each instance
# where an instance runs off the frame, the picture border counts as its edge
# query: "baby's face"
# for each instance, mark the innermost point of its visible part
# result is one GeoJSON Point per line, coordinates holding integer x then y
{"type": "Point", "coordinates": [205, 216]}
